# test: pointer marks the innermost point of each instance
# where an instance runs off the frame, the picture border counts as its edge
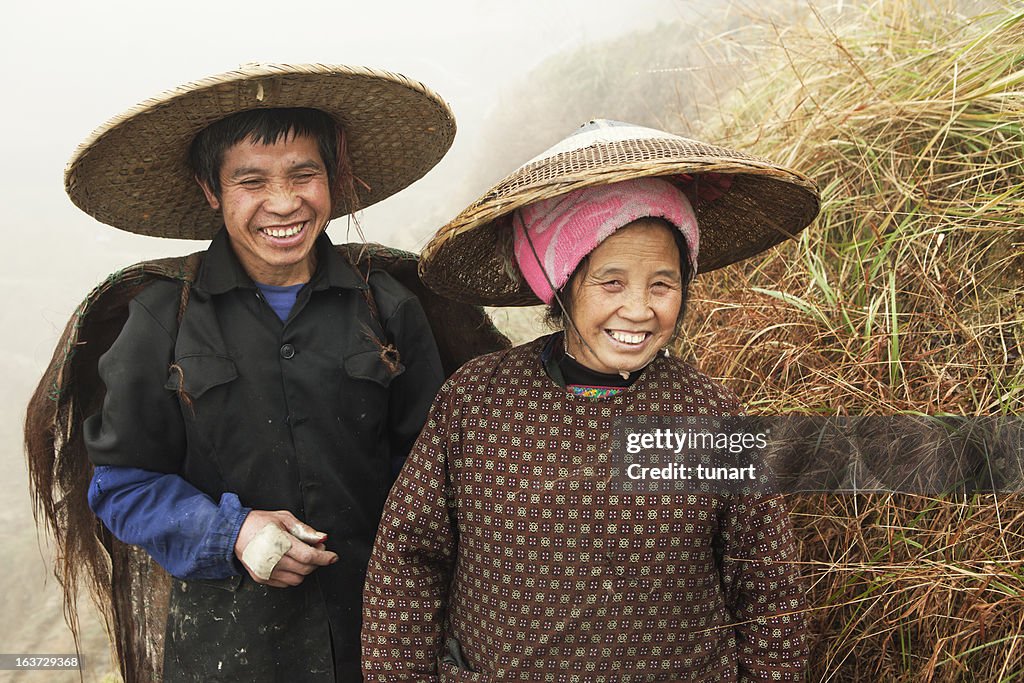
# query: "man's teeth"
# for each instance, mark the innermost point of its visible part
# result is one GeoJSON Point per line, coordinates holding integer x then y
{"type": "Point", "coordinates": [284, 232]}
{"type": "Point", "coordinates": [626, 337]}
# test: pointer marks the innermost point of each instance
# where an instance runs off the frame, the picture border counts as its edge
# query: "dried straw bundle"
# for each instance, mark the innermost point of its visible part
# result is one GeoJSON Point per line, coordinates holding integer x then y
{"type": "Point", "coordinates": [908, 295]}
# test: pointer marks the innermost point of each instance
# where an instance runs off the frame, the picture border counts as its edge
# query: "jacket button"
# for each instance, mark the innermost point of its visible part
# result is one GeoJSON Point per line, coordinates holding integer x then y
{"type": "Point", "coordinates": [287, 351]}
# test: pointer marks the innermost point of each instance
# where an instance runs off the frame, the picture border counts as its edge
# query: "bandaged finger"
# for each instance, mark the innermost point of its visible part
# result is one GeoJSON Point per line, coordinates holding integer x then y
{"type": "Point", "coordinates": [307, 534]}
{"type": "Point", "coordinates": [265, 550]}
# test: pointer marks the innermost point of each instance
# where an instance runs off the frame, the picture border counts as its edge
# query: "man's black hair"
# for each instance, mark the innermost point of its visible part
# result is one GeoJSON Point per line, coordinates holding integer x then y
{"type": "Point", "coordinates": [267, 127]}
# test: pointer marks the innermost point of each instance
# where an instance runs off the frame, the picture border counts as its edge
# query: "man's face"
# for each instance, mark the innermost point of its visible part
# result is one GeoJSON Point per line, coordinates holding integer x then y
{"type": "Point", "coordinates": [275, 200]}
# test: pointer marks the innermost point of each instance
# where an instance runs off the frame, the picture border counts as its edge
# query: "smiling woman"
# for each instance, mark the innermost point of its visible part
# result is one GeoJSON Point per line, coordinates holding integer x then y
{"type": "Point", "coordinates": [504, 538]}
{"type": "Point", "coordinates": [620, 257]}
{"type": "Point", "coordinates": [626, 300]}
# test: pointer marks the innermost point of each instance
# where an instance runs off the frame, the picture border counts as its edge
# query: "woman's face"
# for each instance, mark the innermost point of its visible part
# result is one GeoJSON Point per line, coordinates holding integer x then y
{"type": "Point", "coordinates": [626, 302]}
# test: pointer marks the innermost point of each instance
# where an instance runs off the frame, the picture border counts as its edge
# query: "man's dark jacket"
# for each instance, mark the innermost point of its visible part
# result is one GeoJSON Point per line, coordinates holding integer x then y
{"type": "Point", "coordinates": [305, 415]}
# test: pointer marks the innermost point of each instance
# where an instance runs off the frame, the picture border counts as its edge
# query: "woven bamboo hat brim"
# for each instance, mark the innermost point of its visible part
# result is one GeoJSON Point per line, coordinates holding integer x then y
{"type": "Point", "coordinates": [132, 172]}
{"type": "Point", "coordinates": [468, 258]}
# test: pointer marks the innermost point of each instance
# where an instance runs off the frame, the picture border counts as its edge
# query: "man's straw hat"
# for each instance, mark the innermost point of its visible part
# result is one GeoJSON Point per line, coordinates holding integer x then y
{"type": "Point", "coordinates": [132, 172]}
{"type": "Point", "coordinates": [744, 205]}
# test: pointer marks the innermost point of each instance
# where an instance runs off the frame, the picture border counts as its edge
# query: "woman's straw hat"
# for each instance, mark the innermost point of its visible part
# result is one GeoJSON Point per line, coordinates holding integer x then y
{"type": "Point", "coordinates": [132, 172]}
{"type": "Point", "coordinates": [744, 205]}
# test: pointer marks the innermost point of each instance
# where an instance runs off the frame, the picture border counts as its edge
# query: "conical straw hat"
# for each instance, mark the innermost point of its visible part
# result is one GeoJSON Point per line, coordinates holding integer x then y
{"type": "Point", "coordinates": [132, 172]}
{"type": "Point", "coordinates": [764, 203]}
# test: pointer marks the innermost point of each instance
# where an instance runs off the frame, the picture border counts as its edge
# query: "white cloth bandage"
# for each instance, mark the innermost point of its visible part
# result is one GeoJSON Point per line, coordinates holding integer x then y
{"type": "Point", "coordinates": [265, 550]}
{"type": "Point", "coordinates": [306, 535]}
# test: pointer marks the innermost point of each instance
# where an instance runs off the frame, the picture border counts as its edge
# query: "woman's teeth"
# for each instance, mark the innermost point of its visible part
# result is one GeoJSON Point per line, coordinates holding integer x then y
{"type": "Point", "coordinates": [627, 337]}
{"type": "Point", "coordinates": [284, 232]}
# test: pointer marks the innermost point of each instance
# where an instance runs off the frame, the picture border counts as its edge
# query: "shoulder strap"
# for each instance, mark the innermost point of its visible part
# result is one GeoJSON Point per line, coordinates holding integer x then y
{"type": "Point", "coordinates": [361, 257]}
{"type": "Point", "coordinates": [462, 331]}
{"type": "Point", "coordinates": [190, 269]}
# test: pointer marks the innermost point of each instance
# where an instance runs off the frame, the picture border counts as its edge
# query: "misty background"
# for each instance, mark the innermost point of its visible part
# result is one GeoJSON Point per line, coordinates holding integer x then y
{"type": "Point", "coordinates": [518, 76]}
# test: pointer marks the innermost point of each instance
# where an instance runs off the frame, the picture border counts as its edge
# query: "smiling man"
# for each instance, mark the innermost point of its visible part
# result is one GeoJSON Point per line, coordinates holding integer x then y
{"type": "Point", "coordinates": [275, 200]}
{"type": "Point", "coordinates": [254, 419]}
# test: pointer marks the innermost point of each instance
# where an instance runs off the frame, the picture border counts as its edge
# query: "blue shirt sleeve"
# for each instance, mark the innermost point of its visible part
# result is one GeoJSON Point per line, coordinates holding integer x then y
{"type": "Point", "coordinates": [183, 529]}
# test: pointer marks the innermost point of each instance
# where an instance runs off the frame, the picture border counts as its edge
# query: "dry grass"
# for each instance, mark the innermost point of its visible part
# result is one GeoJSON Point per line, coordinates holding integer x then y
{"type": "Point", "coordinates": [907, 293]}
{"type": "Point", "coordinates": [906, 296]}
{"type": "Point", "coordinates": [912, 588]}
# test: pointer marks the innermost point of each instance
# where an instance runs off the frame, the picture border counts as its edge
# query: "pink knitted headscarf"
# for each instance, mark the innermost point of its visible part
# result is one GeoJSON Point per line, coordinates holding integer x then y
{"type": "Point", "coordinates": [563, 230]}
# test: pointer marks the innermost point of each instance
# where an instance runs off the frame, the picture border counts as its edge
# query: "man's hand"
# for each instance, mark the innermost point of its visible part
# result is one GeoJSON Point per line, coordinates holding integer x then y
{"type": "Point", "coordinates": [283, 555]}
